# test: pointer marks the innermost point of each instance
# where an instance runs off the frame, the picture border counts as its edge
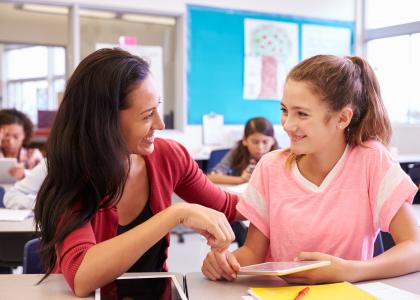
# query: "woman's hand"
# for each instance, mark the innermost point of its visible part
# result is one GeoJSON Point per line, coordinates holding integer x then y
{"type": "Point", "coordinates": [17, 171]}
{"type": "Point", "coordinates": [218, 265]}
{"type": "Point", "coordinates": [212, 224]}
{"type": "Point", "coordinates": [338, 270]}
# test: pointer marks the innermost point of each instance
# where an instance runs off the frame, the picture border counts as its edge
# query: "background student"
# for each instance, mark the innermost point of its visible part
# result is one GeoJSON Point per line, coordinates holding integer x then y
{"type": "Point", "coordinates": [16, 132]}
{"type": "Point", "coordinates": [329, 194]}
{"type": "Point", "coordinates": [237, 165]}
{"type": "Point", "coordinates": [105, 205]}
{"type": "Point", "coordinates": [23, 193]}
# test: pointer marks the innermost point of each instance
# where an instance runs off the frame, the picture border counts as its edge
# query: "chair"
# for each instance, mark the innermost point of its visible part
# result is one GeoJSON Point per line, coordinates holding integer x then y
{"type": "Point", "coordinates": [31, 259]}
{"type": "Point", "coordinates": [215, 157]}
{"type": "Point", "coordinates": [378, 247]}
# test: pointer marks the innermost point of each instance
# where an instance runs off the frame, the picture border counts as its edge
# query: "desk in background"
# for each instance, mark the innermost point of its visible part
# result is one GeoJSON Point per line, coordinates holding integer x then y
{"type": "Point", "coordinates": [22, 287]}
{"type": "Point", "coordinates": [199, 288]}
{"type": "Point", "coordinates": [13, 236]}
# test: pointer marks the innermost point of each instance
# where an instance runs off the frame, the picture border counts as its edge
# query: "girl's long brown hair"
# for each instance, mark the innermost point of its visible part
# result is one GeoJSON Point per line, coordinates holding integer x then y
{"type": "Point", "coordinates": [348, 81]}
{"type": "Point", "coordinates": [241, 156]}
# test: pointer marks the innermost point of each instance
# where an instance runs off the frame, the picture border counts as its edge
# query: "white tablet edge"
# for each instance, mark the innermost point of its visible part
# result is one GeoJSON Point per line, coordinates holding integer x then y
{"type": "Point", "coordinates": [292, 270]}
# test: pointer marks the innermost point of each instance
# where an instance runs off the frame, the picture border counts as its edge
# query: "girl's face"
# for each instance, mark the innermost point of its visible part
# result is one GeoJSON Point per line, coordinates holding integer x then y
{"type": "Point", "coordinates": [13, 136]}
{"type": "Point", "coordinates": [258, 144]}
{"type": "Point", "coordinates": [139, 122]}
{"type": "Point", "coordinates": [307, 120]}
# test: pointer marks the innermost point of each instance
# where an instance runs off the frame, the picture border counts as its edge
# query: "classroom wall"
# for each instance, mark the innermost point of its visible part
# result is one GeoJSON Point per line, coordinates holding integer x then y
{"type": "Point", "coordinates": [330, 9]}
{"type": "Point", "coordinates": [404, 135]}
{"type": "Point", "coordinates": [190, 136]}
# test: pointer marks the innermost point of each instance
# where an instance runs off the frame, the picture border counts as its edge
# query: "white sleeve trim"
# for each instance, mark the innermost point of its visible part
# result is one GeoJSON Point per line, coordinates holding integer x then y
{"type": "Point", "coordinates": [256, 200]}
{"type": "Point", "coordinates": [389, 183]}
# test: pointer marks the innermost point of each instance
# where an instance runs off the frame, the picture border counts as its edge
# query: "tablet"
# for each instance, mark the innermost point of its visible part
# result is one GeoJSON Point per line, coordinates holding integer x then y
{"type": "Point", "coordinates": [282, 267]}
{"type": "Point", "coordinates": [5, 164]}
{"type": "Point", "coordinates": [142, 287]}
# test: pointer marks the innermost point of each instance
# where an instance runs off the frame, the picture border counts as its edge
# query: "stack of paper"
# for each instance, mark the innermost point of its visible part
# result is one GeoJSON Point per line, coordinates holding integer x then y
{"type": "Point", "coordinates": [342, 291]}
{"type": "Point", "coordinates": [14, 214]}
{"type": "Point", "coordinates": [384, 291]}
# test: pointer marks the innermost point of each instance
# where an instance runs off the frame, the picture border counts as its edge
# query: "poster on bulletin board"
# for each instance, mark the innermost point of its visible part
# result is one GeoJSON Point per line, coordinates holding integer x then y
{"type": "Point", "coordinates": [227, 66]}
{"type": "Point", "coordinates": [271, 50]}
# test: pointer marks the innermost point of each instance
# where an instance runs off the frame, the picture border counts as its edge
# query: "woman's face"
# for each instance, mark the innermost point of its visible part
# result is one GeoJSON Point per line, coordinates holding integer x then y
{"type": "Point", "coordinates": [258, 144]}
{"type": "Point", "coordinates": [13, 136]}
{"type": "Point", "coordinates": [139, 122]}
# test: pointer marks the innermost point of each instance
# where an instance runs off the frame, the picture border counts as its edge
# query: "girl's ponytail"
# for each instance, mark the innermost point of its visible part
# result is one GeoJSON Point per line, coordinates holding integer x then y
{"type": "Point", "coordinates": [371, 118]}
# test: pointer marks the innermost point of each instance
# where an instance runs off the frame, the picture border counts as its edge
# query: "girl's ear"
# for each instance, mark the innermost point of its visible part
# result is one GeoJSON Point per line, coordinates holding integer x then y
{"type": "Point", "coordinates": [344, 117]}
{"type": "Point", "coordinates": [244, 142]}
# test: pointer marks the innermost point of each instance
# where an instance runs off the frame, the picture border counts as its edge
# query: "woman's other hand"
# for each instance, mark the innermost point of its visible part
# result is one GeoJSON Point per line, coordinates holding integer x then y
{"type": "Point", "coordinates": [212, 224]}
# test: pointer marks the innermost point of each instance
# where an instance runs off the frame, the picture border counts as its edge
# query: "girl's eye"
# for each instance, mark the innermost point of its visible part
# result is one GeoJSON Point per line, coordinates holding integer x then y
{"type": "Point", "coordinates": [302, 114]}
{"type": "Point", "coordinates": [284, 110]}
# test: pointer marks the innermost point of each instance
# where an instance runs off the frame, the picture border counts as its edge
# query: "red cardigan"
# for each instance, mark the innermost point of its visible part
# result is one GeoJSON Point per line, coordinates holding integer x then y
{"type": "Point", "coordinates": [170, 169]}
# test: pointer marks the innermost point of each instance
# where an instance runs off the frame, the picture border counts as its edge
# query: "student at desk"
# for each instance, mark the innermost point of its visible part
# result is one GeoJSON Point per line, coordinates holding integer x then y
{"type": "Point", "coordinates": [16, 132]}
{"type": "Point", "coordinates": [23, 193]}
{"type": "Point", "coordinates": [236, 167]}
{"type": "Point", "coordinates": [329, 194]}
{"type": "Point", "coordinates": [105, 205]}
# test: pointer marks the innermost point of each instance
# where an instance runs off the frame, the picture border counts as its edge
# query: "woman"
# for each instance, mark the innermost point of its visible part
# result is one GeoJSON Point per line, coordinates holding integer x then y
{"type": "Point", "coordinates": [15, 134]}
{"type": "Point", "coordinates": [105, 205]}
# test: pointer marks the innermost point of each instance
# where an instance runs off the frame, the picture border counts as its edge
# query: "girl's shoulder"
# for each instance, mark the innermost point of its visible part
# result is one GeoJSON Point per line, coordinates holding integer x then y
{"type": "Point", "coordinates": [371, 148]}
{"type": "Point", "coordinates": [275, 157]}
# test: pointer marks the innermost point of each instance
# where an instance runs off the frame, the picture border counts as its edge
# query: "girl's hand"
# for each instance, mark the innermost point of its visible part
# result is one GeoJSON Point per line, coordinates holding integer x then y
{"type": "Point", "coordinates": [212, 224]}
{"type": "Point", "coordinates": [17, 171]}
{"type": "Point", "coordinates": [218, 265]}
{"type": "Point", "coordinates": [339, 270]}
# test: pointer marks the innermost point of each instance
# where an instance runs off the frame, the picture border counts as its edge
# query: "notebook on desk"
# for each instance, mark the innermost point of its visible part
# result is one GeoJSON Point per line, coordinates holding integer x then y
{"type": "Point", "coordinates": [342, 291]}
{"type": "Point", "coordinates": [5, 164]}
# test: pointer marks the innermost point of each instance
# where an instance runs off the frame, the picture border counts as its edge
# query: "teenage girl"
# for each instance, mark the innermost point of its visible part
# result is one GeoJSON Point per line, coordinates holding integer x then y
{"type": "Point", "coordinates": [329, 194]}
{"type": "Point", "coordinates": [237, 165]}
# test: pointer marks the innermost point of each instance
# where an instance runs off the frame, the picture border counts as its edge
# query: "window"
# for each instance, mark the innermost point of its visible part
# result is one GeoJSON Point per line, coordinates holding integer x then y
{"type": "Point", "coordinates": [394, 53]}
{"type": "Point", "coordinates": [34, 78]}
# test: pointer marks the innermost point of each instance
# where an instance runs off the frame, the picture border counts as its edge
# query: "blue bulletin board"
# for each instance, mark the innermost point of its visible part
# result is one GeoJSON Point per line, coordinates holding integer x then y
{"type": "Point", "coordinates": [215, 63]}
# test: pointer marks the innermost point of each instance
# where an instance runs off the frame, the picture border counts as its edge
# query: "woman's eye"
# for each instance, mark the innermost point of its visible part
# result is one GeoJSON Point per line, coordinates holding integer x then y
{"type": "Point", "coordinates": [149, 116]}
{"type": "Point", "coordinates": [284, 110]}
{"type": "Point", "coordinates": [302, 114]}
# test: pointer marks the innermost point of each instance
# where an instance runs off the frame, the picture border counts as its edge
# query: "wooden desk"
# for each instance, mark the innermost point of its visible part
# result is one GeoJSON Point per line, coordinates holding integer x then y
{"type": "Point", "coordinates": [22, 287]}
{"type": "Point", "coordinates": [199, 288]}
{"type": "Point", "coordinates": [13, 236]}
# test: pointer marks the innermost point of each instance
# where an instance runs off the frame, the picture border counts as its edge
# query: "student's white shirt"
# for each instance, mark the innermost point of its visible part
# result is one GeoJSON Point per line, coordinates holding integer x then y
{"type": "Point", "coordinates": [23, 193]}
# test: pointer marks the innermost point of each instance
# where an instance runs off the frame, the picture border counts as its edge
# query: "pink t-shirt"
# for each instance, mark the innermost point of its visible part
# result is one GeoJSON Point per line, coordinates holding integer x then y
{"type": "Point", "coordinates": [341, 217]}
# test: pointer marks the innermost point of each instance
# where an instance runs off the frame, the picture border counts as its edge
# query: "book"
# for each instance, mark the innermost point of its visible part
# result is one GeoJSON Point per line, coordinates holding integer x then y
{"type": "Point", "coordinates": [342, 291]}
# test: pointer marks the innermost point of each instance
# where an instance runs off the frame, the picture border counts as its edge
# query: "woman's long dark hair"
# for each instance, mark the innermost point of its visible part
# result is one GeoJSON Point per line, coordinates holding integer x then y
{"type": "Point", "coordinates": [87, 156]}
{"type": "Point", "coordinates": [240, 155]}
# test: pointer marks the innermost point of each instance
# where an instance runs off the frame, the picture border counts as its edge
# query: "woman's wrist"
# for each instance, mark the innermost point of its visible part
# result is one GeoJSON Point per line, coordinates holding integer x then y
{"type": "Point", "coordinates": [179, 212]}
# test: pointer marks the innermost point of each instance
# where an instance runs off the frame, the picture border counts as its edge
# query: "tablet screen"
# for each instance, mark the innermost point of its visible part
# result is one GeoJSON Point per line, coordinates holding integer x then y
{"type": "Point", "coordinates": [142, 288]}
